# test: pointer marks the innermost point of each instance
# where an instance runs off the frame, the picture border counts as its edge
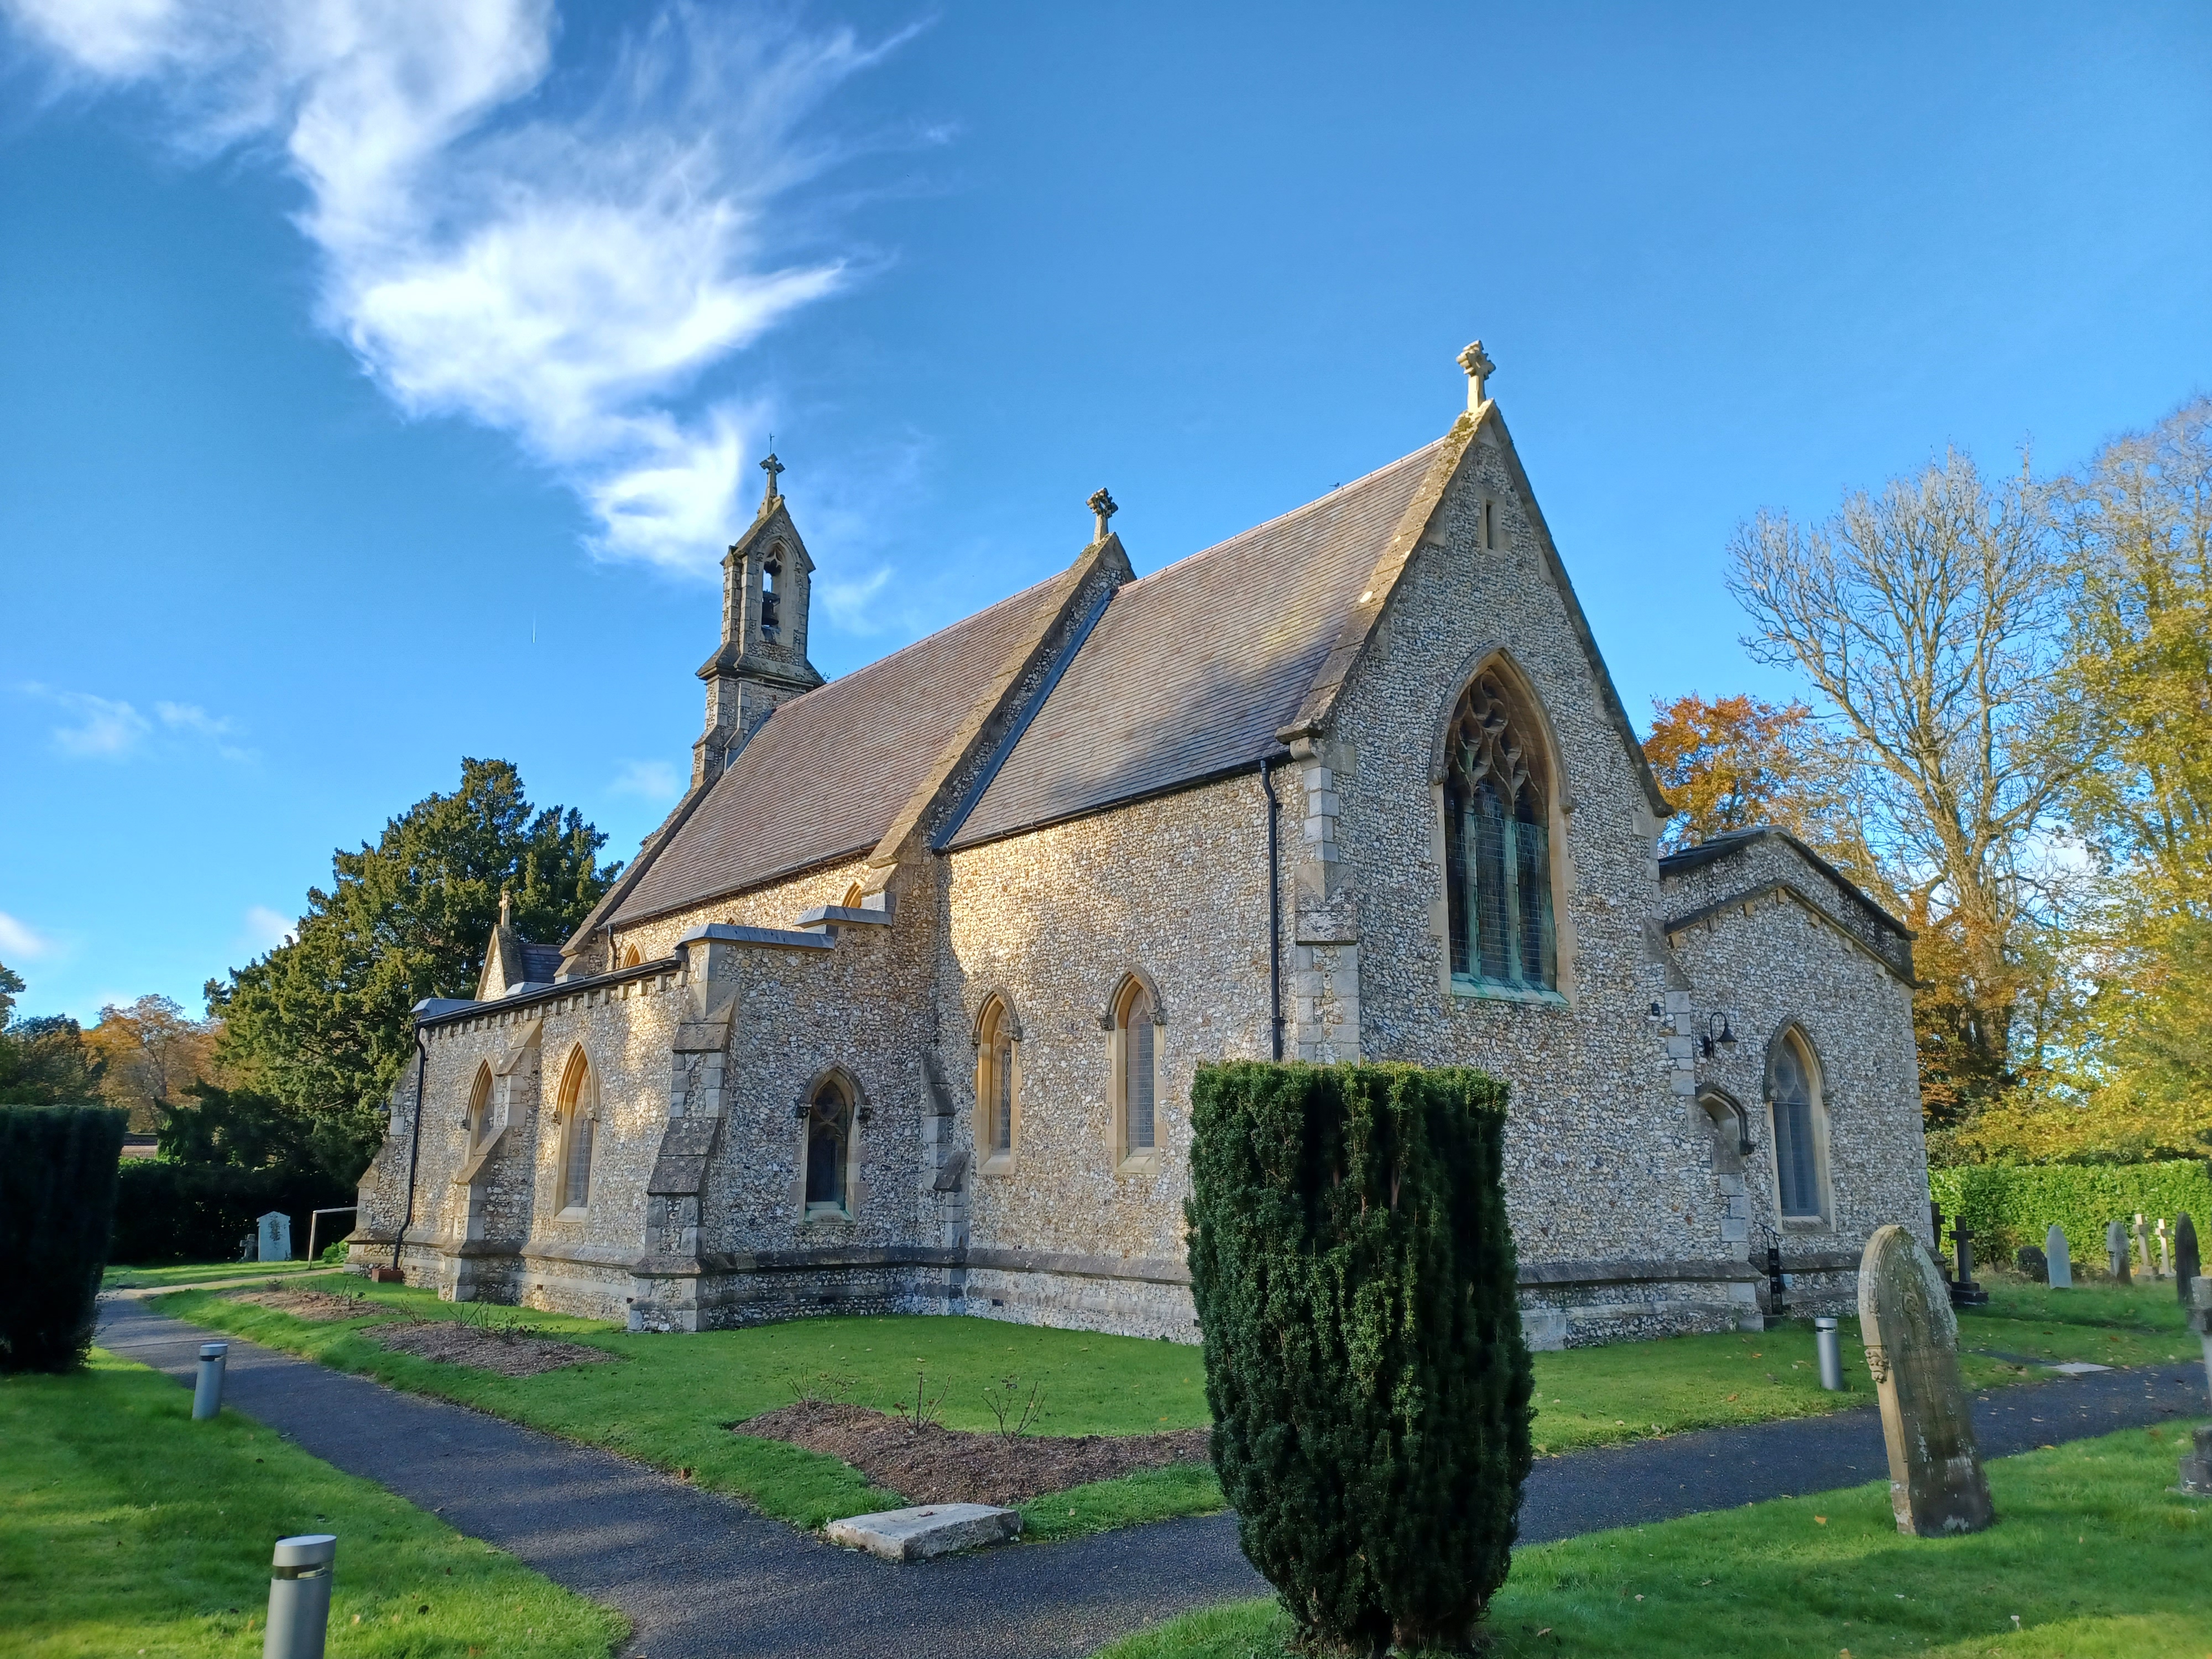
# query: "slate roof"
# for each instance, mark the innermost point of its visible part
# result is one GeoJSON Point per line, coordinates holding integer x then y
{"type": "Point", "coordinates": [540, 962]}
{"type": "Point", "coordinates": [826, 775]}
{"type": "Point", "coordinates": [1735, 841]}
{"type": "Point", "coordinates": [1192, 669]}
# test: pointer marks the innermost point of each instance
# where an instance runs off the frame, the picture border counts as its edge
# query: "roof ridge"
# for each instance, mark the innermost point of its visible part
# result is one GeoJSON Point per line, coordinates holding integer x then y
{"type": "Point", "coordinates": [924, 639]}
{"type": "Point", "coordinates": [1303, 506]}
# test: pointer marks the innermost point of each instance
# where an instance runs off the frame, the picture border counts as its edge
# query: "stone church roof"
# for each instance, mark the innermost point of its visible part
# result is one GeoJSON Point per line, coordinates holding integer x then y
{"type": "Point", "coordinates": [1072, 696]}
{"type": "Point", "coordinates": [1193, 669]}
{"type": "Point", "coordinates": [825, 777]}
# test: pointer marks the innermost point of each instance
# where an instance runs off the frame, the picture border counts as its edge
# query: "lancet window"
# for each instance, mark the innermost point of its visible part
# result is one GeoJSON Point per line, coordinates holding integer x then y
{"type": "Point", "coordinates": [1498, 848]}
{"type": "Point", "coordinates": [829, 1149]}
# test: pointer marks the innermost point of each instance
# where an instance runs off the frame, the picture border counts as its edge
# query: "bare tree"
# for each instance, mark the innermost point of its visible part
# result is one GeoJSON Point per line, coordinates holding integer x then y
{"type": "Point", "coordinates": [1927, 616]}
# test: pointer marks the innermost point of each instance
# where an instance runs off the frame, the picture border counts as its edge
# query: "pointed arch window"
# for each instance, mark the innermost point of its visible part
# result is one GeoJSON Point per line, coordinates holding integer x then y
{"type": "Point", "coordinates": [996, 1082]}
{"type": "Point", "coordinates": [1497, 844]}
{"type": "Point", "coordinates": [578, 1109]}
{"type": "Point", "coordinates": [1794, 1087]}
{"type": "Point", "coordinates": [1136, 1073]}
{"type": "Point", "coordinates": [828, 1151]}
{"type": "Point", "coordinates": [479, 1109]}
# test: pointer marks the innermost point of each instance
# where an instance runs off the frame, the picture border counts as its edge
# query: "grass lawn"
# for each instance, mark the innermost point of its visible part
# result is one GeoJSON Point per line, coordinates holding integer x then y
{"type": "Point", "coordinates": [126, 1528]}
{"type": "Point", "coordinates": [1597, 1397]}
{"type": "Point", "coordinates": [671, 1401]}
{"type": "Point", "coordinates": [2092, 1554]}
{"type": "Point", "coordinates": [194, 1273]}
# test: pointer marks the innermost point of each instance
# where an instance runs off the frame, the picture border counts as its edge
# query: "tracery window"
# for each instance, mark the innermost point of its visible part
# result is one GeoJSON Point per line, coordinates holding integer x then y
{"type": "Point", "coordinates": [578, 1110]}
{"type": "Point", "coordinates": [1497, 848]}
{"type": "Point", "coordinates": [995, 1080]}
{"type": "Point", "coordinates": [829, 1149]}
{"type": "Point", "coordinates": [1796, 1129]}
{"type": "Point", "coordinates": [1136, 1037]}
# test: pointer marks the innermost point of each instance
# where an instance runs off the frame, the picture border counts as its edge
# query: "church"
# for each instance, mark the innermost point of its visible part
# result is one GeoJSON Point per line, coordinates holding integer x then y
{"type": "Point", "coordinates": [899, 1010]}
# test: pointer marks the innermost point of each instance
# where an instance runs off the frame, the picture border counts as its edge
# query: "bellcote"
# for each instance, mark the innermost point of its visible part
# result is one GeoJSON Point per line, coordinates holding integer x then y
{"type": "Point", "coordinates": [761, 661]}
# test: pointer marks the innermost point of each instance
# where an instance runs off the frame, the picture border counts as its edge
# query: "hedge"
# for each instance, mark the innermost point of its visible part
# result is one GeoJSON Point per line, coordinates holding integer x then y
{"type": "Point", "coordinates": [1353, 1272]}
{"type": "Point", "coordinates": [2007, 1205]}
{"type": "Point", "coordinates": [57, 1167]}
{"type": "Point", "coordinates": [200, 1212]}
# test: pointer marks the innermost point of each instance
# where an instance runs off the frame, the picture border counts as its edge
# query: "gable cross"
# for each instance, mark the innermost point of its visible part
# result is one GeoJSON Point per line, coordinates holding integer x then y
{"type": "Point", "coordinates": [1477, 363]}
{"type": "Point", "coordinates": [1103, 505]}
{"type": "Point", "coordinates": [771, 466]}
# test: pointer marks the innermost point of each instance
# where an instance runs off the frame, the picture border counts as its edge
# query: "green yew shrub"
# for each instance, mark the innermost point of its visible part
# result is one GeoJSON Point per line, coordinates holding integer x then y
{"type": "Point", "coordinates": [57, 1169]}
{"type": "Point", "coordinates": [1354, 1277]}
{"type": "Point", "coordinates": [2008, 1205]}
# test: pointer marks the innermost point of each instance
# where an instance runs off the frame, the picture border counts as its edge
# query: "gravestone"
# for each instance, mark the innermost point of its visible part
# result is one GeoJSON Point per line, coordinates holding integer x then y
{"type": "Point", "coordinates": [2150, 1262]}
{"type": "Point", "coordinates": [1965, 1292]}
{"type": "Point", "coordinates": [2061, 1261]}
{"type": "Point", "coordinates": [2197, 1462]}
{"type": "Point", "coordinates": [276, 1236]}
{"type": "Point", "coordinates": [2115, 1252]}
{"type": "Point", "coordinates": [2165, 1249]}
{"type": "Point", "coordinates": [2034, 1265]}
{"type": "Point", "coordinates": [2186, 1264]}
{"type": "Point", "coordinates": [1936, 1485]}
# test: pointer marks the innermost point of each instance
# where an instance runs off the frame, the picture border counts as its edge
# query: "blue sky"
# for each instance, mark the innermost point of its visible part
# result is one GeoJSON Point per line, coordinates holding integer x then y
{"type": "Point", "coordinates": [376, 392]}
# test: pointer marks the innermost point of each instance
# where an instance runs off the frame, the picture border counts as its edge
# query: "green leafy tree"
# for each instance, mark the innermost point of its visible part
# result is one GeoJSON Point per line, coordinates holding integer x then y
{"type": "Point", "coordinates": [43, 1061]}
{"type": "Point", "coordinates": [322, 1023]}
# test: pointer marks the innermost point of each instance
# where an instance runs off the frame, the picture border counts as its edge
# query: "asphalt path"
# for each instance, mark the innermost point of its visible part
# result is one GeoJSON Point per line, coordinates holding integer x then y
{"type": "Point", "coordinates": [702, 1577]}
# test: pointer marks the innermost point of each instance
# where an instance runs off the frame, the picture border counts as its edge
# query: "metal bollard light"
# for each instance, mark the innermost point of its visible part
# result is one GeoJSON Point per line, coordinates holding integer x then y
{"type": "Point", "coordinates": [300, 1597]}
{"type": "Point", "coordinates": [1832, 1355]}
{"type": "Point", "coordinates": [207, 1392]}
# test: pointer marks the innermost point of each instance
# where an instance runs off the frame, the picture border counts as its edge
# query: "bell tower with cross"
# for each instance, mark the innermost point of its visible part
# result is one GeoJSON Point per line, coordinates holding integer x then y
{"type": "Point", "coordinates": [761, 661]}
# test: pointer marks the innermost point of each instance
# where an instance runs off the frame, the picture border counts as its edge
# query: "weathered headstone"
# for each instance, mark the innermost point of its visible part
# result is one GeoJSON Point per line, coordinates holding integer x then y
{"type": "Point", "coordinates": [1965, 1292]}
{"type": "Point", "coordinates": [2143, 1245]}
{"type": "Point", "coordinates": [2034, 1265]}
{"type": "Point", "coordinates": [2186, 1264]}
{"type": "Point", "coordinates": [2165, 1249]}
{"type": "Point", "coordinates": [276, 1236]}
{"type": "Point", "coordinates": [2061, 1261]}
{"type": "Point", "coordinates": [2115, 1252]}
{"type": "Point", "coordinates": [2197, 1462]}
{"type": "Point", "coordinates": [1936, 1481]}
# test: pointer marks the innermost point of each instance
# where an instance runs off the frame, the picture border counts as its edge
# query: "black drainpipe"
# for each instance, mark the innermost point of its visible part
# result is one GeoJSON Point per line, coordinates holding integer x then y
{"type": "Point", "coordinates": [414, 1140]}
{"type": "Point", "coordinates": [1274, 920]}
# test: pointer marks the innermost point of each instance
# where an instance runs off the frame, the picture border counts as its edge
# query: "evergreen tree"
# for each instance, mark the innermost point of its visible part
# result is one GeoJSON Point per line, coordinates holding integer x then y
{"type": "Point", "coordinates": [322, 1023]}
{"type": "Point", "coordinates": [1354, 1275]}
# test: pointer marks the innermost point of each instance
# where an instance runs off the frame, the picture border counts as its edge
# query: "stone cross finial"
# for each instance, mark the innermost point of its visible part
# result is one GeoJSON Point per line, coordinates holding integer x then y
{"type": "Point", "coordinates": [1476, 362]}
{"type": "Point", "coordinates": [506, 911]}
{"type": "Point", "coordinates": [771, 466]}
{"type": "Point", "coordinates": [1103, 505]}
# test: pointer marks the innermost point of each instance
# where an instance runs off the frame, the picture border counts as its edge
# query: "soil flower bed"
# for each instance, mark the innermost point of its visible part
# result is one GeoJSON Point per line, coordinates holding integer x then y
{"type": "Point", "coordinates": [459, 1342]}
{"type": "Point", "coordinates": [937, 1465]}
{"type": "Point", "coordinates": [317, 1305]}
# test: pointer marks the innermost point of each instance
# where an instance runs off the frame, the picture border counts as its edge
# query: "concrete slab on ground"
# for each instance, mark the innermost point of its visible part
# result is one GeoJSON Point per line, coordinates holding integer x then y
{"type": "Point", "coordinates": [925, 1533]}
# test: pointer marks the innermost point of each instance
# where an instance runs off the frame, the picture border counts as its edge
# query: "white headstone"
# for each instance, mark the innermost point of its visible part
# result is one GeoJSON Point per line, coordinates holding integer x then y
{"type": "Point", "coordinates": [2062, 1264]}
{"type": "Point", "coordinates": [276, 1236]}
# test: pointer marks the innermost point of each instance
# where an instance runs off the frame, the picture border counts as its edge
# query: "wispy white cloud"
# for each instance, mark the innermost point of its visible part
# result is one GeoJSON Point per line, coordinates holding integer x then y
{"type": "Point", "coordinates": [19, 942]}
{"type": "Point", "coordinates": [848, 600]}
{"type": "Point", "coordinates": [96, 728]}
{"type": "Point", "coordinates": [557, 257]}
{"type": "Point", "coordinates": [649, 779]}
{"type": "Point", "coordinates": [266, 929]}
{"type": "Point", "coordinates": [108, 728]}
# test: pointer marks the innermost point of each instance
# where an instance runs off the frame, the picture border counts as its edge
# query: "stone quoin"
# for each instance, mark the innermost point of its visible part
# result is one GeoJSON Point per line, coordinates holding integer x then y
{"type": "Point", "coordinates": [899, 1009]}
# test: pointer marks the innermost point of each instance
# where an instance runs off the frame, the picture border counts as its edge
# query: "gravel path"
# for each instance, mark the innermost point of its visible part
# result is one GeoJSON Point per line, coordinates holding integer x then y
{"type": "Point", "coordinates": [699, 1575]}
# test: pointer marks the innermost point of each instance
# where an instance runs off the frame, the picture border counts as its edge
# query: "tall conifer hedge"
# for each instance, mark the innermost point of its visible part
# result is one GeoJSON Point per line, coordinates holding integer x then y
{"type": "Point", "coordinates": [58, 1170]}
{"type": "Point", "coordinates": [1354, 1277]}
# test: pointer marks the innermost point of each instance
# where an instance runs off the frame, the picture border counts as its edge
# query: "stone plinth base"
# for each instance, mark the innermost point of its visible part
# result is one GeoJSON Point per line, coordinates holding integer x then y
{"type": "Point", "coordinates": [932, 1529]}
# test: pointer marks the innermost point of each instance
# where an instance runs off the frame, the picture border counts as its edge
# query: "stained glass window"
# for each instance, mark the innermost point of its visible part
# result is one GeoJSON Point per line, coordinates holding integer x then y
{"type": "Point", "coordinates": [829, 1135]}
{"type": "Point", "coordinates": [1796, 1153]}
{"type": "Point", "coordinates": [1497, 852]}
{"type": "Point", "coordinates": [1138, 1069]}
{"type": "Point", "coordinates": [994, 1079]}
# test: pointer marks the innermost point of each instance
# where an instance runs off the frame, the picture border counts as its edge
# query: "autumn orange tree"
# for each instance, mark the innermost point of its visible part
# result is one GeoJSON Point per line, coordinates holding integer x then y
{"type": "Point", "coordinates": [1731, 763]}
{"type": "Point", "coordinates": [150, 1053]}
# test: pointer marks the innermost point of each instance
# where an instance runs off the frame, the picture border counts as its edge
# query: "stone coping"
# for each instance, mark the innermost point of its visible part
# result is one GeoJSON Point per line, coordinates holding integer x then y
{"type": "Point", "coordinates": [440, 1011]}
